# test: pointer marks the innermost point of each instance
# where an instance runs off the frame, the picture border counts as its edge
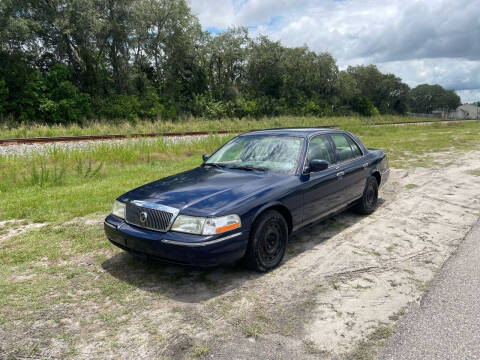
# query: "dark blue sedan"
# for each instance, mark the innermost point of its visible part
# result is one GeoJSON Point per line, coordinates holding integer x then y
{"type": "Point", "coordinates": [246, 199]}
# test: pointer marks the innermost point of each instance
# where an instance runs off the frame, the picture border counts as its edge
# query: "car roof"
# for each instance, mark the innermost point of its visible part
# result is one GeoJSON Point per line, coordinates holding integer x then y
{"type": "Point", "coordinates": [293, 131]}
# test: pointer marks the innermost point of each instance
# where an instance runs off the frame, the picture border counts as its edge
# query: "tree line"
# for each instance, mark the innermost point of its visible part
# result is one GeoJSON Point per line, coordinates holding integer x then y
{"type": "Point", "coordinates": [70, 60]}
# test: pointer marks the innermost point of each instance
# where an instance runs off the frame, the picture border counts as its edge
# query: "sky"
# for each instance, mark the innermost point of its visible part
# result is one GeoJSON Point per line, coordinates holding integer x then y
{"type": "Point", "coordinates": [433, 41]}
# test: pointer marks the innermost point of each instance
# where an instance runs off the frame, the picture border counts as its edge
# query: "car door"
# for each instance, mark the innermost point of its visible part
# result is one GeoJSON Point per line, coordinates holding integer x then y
{"type": "Point", "coordinates": [321, 190]}
{"type": "Point", "coordinates": [350, 164]}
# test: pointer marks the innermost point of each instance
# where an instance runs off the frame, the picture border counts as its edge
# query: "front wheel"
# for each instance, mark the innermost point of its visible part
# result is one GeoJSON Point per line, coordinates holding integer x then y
{"type": "Point", "coordinates": [369, 200]}
{"type": "Point", "coordinates": [268, 242]}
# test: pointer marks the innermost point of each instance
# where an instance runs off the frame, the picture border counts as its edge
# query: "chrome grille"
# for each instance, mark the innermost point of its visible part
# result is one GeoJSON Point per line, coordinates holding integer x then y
{"type": "Point", "coordinates": [150, 216]}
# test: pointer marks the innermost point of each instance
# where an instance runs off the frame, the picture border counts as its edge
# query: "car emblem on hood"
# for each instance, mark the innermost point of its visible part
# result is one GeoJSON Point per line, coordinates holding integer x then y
{"type": "Point", "coordinates": [143, 217]}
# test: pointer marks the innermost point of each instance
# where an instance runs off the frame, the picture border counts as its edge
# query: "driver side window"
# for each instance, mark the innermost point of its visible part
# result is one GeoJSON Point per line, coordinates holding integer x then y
{"type": "Point", "coordinates": [320, 148]}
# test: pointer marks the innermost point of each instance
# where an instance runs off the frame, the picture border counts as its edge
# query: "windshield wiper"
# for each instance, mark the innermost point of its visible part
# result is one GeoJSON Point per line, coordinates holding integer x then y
{"type": "Point", "coordinates": [217, 165]}
{"type": "Point", "coordinates": [247, 168]}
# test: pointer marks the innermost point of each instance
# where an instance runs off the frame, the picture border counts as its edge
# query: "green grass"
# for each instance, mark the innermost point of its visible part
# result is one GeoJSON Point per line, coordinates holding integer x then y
{"type": "Point", "coordinates": [190, 124]}
{"type": "Point", "coordinates": [63, 184]}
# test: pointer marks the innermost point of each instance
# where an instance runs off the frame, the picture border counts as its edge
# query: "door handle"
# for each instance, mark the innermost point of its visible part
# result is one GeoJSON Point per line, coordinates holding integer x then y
{"type": "Point", "coordinates": [340, 174]}
{"type": "Point", "coordinates": [365, 165]}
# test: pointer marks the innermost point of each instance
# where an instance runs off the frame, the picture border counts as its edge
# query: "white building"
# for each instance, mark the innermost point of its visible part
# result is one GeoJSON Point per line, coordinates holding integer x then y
{"type": "Point", "coordinates": [467, 111]}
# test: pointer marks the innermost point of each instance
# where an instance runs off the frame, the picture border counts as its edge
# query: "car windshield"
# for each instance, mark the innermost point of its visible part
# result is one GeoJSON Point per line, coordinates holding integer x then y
{"type": "Point", "coordinates": [259, 152]}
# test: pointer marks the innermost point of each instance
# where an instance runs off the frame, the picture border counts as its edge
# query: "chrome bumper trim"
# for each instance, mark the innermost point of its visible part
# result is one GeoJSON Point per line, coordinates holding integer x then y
{"type": "Point", "coordinates": [109, 225]}
{"type": "Point", "coordinates": [204, 243]}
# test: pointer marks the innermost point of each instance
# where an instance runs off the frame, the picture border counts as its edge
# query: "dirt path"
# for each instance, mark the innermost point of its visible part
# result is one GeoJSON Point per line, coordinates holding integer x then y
{"type": "Point", "coordinates": [344, 284]}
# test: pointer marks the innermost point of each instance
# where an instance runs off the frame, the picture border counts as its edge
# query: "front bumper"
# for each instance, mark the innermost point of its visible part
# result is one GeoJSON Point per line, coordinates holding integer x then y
{"type": "Point", "coordinates": [173, 247]}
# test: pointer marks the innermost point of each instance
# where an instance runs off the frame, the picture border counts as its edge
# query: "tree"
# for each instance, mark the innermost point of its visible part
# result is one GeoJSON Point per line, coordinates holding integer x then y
{"type": "Point", "coordinates": [264, 68]}
{"type": "Point", "coordinates": [226, 58]}
{"type": "Point", "coordinates": [65, 60]}
{"type": "Point", "coordinates": [308, 75]}
{"type": "Point", "coordinates": [386, 91]}
{"type": "Point", "coordinates": [3, 96]}
{"type": "Point", "coordinates": [425, 98]}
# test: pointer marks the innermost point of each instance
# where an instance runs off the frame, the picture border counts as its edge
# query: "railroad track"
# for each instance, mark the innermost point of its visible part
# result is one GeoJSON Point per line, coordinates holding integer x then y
{"type": "Point", "coordinates": [45, 140]}
{"type": "Point", "coordinates": [59, 139]}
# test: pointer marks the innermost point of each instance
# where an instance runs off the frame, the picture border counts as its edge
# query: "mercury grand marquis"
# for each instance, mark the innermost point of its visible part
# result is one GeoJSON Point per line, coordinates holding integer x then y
{"type": "Point", "coordinates": [246, 199]}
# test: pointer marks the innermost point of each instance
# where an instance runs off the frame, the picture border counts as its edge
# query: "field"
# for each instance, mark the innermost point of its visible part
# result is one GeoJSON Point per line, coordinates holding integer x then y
{"type": "Point", "coordinates": [67, 293]}
{"type": "Point", "coordinates": [190, 124]}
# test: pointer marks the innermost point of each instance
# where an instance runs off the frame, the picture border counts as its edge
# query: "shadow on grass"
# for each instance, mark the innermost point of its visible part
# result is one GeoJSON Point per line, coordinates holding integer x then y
{"type": "Point", "coordinates": [192, 285]}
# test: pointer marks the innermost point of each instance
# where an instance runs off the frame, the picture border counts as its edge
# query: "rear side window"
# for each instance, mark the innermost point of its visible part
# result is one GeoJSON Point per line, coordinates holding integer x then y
{"type": "Point", "coordinates": [344, 149]}
{"type": "Point", "coordinates": [320, 148]}
{"type": "Point", "coordinates": [356, 150]}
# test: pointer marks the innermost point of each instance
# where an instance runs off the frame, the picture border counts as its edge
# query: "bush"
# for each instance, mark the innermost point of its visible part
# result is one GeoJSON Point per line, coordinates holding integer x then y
{"type": "Point", "coordinates": [315, 107]}
{"type": "Point", "coordinates": [63, 102]}
{"type": "Point", "coordinates": [245, 108]}
{"type": "Point", "coordinates": [364, 106]}
{"type": "Point", "coordinates": [119, 107]}
{"type": "Point", "coordinates": [150, 106]}
{"type": "Point", "coordinates": [206, 106]}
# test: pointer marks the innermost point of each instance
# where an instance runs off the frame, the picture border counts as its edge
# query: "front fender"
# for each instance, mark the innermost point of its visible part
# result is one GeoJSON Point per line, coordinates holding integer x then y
{"type": "Point", "coordinates": [283, 209]}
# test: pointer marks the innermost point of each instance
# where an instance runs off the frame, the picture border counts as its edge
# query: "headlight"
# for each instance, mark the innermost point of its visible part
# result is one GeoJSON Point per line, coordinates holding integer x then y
{"type": "Point", "coordinates": [118, 209]}
{"type": "Point", "coordinates": [188, 224]}
{"type": "Point", "coordinates": [206, 226]}
{"type": "Point", "coordinates": [221, 224]}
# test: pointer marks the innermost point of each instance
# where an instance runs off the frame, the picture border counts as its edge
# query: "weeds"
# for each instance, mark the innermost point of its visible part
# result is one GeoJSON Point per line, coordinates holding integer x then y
{"type": "Point", "coordinates": [79, 181]}
{"type": "Point", "coordinates": [367, 349]}
{"type": "Point", "coordinates": [88, 172]}
{"type": "Point", "coordinates": [200, 350]}
{"type": "Point", "coordinates": [47, 176]}
{"type": "Point", "coordinates": [252, 329]}
{"type": "Point", "coordinates": [189, 124]}
{"type": "Point", "coordinates": [411, 186]}
{"type": "Point", "coordinates": [474, 172]}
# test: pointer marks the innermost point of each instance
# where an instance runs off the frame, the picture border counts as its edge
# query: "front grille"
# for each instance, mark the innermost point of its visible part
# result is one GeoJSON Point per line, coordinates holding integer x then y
{"type": "Point", "coordinates": [147, 218]}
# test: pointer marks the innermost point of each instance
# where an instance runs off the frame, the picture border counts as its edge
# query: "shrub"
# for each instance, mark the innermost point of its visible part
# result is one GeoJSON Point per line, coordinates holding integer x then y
{"type": "Point", "coordinates": [150, 106]}
{"type": "Point", "coordinates": [119, 107]}
{"type": "Point", "coordinates": [364, 107]}
{"type": "Point", "coordinates": [315, 107]}
{"type": "Point", "coordinates": [63, 102]}
{"type": "Point", "coordinates": [245, 108]}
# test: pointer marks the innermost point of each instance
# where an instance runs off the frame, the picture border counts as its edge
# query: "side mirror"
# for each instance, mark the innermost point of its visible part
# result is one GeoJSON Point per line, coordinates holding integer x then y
{"type": "Point", "coordinates": [318, 165]}
{"type": "Point", "coordinates": [205, 157]}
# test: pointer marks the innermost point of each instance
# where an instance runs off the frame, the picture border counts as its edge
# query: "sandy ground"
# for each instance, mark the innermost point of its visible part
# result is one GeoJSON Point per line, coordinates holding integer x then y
{"type": "Point", "coordinates": [10, 228]}
{"type": "Point", "coordinates": [344, 284]}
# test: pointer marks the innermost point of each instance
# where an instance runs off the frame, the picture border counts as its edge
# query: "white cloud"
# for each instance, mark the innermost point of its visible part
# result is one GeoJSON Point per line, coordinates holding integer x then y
{"type": "Point", "coordinates": [215, 13]}
{"type": "Point", "coordinates": [436, 41]}
{"type": "Point", "coordinates": [452, 73]}
{"type": "Point", "coordinates": [469, 96]}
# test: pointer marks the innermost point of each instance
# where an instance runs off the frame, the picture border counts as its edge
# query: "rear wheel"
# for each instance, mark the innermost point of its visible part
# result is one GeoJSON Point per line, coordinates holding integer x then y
{"type": "Point", "coordinates": [368, 202]}
{"type": "Point", "coordinates": [268, 241]}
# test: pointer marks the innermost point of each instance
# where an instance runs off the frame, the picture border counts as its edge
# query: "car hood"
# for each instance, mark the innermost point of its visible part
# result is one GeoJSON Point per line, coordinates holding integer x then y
{"type": "Point", "coordinates": [204, 190]}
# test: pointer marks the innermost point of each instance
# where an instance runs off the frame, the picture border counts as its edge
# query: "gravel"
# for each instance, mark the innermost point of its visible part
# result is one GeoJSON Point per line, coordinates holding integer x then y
{"type": "Point", "coordinates": [29, 149]}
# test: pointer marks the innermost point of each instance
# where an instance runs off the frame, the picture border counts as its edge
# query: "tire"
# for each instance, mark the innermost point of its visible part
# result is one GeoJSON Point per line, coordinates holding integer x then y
{"type": "Point", "coordinates": [369, 201]}
{"type": "Point", "coordinates": [268, 242]}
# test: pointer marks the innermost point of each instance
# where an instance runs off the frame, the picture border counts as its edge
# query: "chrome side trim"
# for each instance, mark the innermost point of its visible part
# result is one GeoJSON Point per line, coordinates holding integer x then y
{"type": "Point", "coordinates": [205, 243]}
